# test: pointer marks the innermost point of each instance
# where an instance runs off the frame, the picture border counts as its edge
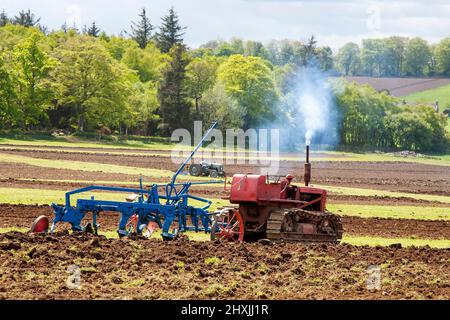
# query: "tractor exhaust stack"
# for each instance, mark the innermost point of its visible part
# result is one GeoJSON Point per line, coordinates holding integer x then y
{"type": "Point", "coordinates": [307, 175]}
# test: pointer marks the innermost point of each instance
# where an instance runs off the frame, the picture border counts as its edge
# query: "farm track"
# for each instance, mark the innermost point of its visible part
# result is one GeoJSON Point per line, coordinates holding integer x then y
{"type": "Point", "coordinates": [35, 267]}
{"type": "Point", "coordinates": [22, 216]}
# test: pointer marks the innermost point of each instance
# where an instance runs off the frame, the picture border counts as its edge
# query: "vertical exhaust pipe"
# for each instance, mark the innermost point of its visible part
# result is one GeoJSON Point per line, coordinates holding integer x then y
{"type": "Point", "coordinates": [307, 175]}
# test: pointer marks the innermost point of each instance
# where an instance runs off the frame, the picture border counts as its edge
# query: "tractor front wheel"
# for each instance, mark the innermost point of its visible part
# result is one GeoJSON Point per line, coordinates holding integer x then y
{"type": "Point", "coordinates": [228, 225]}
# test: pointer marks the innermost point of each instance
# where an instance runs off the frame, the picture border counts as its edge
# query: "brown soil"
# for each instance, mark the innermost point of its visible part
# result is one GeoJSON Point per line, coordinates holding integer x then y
{"type": "Point", "coordinates": [395, 176]}
{"type": "Point", "coordinates": [396, 228]}
{"type": "Point", "coordinates": [400, 86]}
{"type": "Point", "coordinates": [128, 151]}
{"type": "Point", "coordinates": [218, 191]}
{"type": "Point", "coordinates": [22, 216]}
{"type": "Point", "coordinates": [38, 267]}
{"type": "Point", "coordinates": [35, 266]}
{"type": "Point", "coordinates": [383, 200]}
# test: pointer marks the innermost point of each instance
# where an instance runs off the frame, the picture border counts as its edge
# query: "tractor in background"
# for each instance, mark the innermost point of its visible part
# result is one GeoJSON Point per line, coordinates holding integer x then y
{"type": "Point", "coordinates": [204, 168]}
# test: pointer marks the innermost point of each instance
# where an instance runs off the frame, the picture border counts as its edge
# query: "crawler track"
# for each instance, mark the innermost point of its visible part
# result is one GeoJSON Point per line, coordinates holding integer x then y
{"type": "Point", "coordinates": [286, 225]}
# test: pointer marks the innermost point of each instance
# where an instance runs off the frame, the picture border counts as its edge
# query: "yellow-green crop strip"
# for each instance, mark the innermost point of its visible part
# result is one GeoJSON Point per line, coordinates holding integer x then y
{"type": "Point", "coordinates": [331, 189]}
{"type": "Point", "coordinates": [90, 166]}
{"type": "Point", "coordinates": [334, 156]}
{"type": "Point", "coordinates": [383, 193]}
{"type": "Point", "coordinates": [395, 212]}
{"type": "Point", "coordinates": [75, 142]}
{"type": "Point", "coordinates": [405, 242]}
{"type": "Point", "coordinates": [45, 196]}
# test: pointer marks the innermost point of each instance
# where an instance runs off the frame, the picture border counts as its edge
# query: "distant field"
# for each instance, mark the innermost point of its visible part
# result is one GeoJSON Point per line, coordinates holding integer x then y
{"type": "Point", "coordinates": [45, 196]}
{"type": "Point", "coordinates": [161, 149]}
{"type": "Point", "coordinates": [76, 142]}
{"type": "Point", "coordinates": [441, 94]}
{"type": "Point", "coordinates": [400, 87]}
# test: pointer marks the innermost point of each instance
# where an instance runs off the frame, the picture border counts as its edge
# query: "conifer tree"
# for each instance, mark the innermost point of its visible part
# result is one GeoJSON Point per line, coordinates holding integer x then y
{"type": "Point", "coordinates": [175, 108]}
{"type": "Point", "coordinates": [93, 30]}
{"type": "Point", "coordinates": [26, 19]}
{"type": "Point", "coordinates": [141, 32]}
{"type": "Point", "coordinates": [170, 32]}
{"type": "Point", "coordinates": [3, 19]}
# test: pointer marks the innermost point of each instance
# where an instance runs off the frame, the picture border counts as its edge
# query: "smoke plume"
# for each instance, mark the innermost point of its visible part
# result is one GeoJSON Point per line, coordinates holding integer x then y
{"type": "Point", "coordinates": [311, 109]}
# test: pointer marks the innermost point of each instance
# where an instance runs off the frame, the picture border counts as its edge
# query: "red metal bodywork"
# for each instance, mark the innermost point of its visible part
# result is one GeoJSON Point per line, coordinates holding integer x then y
{"type": "Point", "coordinates": [257, 198]}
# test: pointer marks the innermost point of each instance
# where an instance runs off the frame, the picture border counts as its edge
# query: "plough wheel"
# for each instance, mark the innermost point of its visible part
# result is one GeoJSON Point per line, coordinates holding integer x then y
{"type": "Point", "coordinates": [229, 226]}
{"type": "Point", "coordinates": [40, 225]}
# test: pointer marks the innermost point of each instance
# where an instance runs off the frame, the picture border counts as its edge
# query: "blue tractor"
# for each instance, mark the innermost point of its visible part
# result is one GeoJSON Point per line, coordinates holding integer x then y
{"type": "Point", "coordinates": [161, 205]}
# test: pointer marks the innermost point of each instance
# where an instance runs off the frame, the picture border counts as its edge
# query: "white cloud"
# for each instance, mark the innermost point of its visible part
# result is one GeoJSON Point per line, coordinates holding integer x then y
{"type": "Point", "coordinates": [332, 22]}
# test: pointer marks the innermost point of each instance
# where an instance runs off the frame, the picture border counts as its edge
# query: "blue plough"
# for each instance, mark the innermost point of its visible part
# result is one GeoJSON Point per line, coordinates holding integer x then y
{"type": "Point", "coordinates": [148, 207]}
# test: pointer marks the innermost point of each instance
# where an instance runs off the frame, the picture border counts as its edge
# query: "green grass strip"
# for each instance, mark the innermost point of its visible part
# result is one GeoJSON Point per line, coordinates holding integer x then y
{"type": "Point", "coordinates": [75, 142]}
{"type": "Point", "coordinates": [333, 189]}
{"type": "Point", "coordinates": [91, 167]}
{"type": "Point", "coordinates": [14, 229]}
{"type": "Point", "coordinates": [405, 242]}
{"type": "Point", "coordinates": [396, 212]}
{"type": "Point", "coordinates": [442, 159]}
{"type": "Point", "coordinates": [442, 94]}
{"type": "Point", "coordinates": [44, 196]}
{"type": "Point", "coordinates": [382, 193]}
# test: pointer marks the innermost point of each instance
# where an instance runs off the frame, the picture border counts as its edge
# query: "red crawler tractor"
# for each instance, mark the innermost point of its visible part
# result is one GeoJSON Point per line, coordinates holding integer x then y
{"type": "Point", "coordinates": [277, 211]}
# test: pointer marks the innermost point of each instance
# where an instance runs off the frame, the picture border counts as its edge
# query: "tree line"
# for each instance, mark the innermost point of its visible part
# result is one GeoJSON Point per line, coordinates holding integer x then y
{"type": "Point", "coordinates": [373, 120]}
{"type": "Point", "coordinates": [395, 57]}
{"type": "Point", "coordinates": [146, 81]}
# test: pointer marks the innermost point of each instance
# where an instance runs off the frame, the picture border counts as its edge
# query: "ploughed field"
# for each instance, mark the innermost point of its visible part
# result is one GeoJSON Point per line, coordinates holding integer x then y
{"type": "Point", "coordinates": [39, 266]}
{"type": "Point", "coordinates": [395, 214]}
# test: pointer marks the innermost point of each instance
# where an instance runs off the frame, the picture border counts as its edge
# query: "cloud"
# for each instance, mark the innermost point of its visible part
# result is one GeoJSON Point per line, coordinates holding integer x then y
{"type": "Point", "coordinates": [332, 22]}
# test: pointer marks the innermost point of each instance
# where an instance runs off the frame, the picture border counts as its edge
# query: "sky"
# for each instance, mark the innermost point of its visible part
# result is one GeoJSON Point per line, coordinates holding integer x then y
{"type": "Point", "coordinates": [332, 22]}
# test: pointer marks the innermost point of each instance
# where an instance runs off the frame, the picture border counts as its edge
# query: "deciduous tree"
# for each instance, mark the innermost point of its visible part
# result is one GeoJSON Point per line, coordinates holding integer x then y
{"type": "Point", "coordinates": [249, 80]}
{"type": "Point", "coordinates": [147, 62]}
{"type": "Point", "coordinates": [442, 54]}
{"type": "Point", "coordinates": [200, 76]}
{"type": "Point", "coordinates": [31, 67]}
{"type": "Point", "coordinates": [8, 108]}
{"type": "Point", "coordinates": [94, 85]}
{"type": "Point", "coordinates": [348, 59]}
{"type": "Point", "coordinates": [417, 57]}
